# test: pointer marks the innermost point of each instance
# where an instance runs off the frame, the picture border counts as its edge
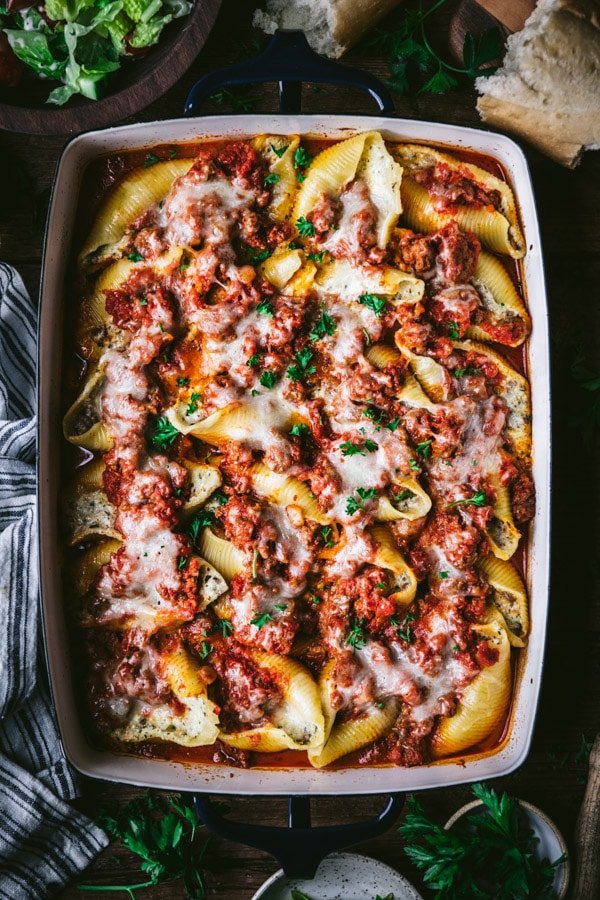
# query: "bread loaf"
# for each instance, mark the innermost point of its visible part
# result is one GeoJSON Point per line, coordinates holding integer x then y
{"type": "Point", "coordinates": [331, 26]}
{"type": "Point", "coordinates": [548, 89]}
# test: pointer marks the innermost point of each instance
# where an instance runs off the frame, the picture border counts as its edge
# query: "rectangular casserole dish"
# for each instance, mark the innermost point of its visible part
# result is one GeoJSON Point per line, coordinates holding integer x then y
{"type": "Point", "coordinates": [59, 243]}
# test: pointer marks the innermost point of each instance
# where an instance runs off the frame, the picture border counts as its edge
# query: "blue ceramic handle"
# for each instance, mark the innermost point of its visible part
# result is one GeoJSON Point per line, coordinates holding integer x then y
{"type": "Point", "coordinates": [298, 848]}
{"type": "Point", "coordinates": [289, 61]}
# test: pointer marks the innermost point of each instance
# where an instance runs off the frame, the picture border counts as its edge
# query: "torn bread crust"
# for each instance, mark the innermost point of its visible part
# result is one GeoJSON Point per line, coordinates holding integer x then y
{"type": "Point", "coordinates": [547, 90]}
{"type": "Point", "coordinates": [331, 26]}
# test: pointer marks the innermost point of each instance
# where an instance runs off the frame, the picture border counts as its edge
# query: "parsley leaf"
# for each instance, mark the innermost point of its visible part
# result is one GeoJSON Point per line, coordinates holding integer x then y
{"type": "Point", "coordinates": [261, 621]}
{"type": "Point", "coordinates": [302, 159]}
{"type": "Point", "coordinates": [265, 308]}
{"type": "Point", "coordinates": [325, 325]}
{"type": "Point", "coordinates": [205, 650]}
{"type": "Point", "coordinates": [151, 160]}
{"type": "Point", "coordinates": [356, 636]}
{"type": "Point", "coordinates": [253, 361]}
{"type": "Point", "coordinates": [272, 178]}
{"type": "Point", "coordinates": [305, 228]}
{"type": "Point", "coordinates": [134, 256]}
{"type": "Point", "coordinates": [268, 378]}
{"type": "Point", "coordinates": [192, 406]}
{"type": "Point", "coordinates": [164, 434]}
{"type": "Point", "coordinates": [353, 504]}
{"type": "Point", "coordinates": [224, 626]}
{"type": "Point", "coordinates": [300, 430]}
{"type": "Point", "coordinates": [424, 448]}
{"type": "Point", "coordinates": [202, 519]}
{"type": "Point", "coordinates": [350, 449]}
{"type": "Point", "coordinates": [478, 499]}
{"type": "Point", "coordinates": [183, 382]}
{"type": "Point", "coordinates": [302, 366]}
{"type": "Point", "coordinates": [255, 256]}
{"type": "Point", "coordinates": [374, 303]}
{"type": "Point", "coordinates": [279, 151]}
{"type": "Point", "coordinates": [318, 257]}
{"type": "Point", "coordinates": [453, 330]}
{"type": "Point", "coordinates": [325, 533]}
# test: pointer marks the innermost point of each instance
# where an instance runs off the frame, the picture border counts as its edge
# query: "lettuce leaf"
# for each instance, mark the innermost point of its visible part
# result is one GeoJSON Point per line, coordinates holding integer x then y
{"type": "Point", "coordinates": [148, 33]}
{"type": "Point", "coordinates": [32, 48]}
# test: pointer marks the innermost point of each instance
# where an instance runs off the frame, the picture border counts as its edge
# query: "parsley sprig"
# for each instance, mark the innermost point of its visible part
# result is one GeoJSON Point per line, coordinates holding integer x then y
{"type": "Point", "coordinates": [376, 304]}
{"type": "Point", "coordinates": [488, 853]}
{"type": "Point", "coordinates": [324, 326]}
{"type": "Point", "coordinates": [305, 228]}
{"type": "Point", "coordinates": [163, 434]}
{"type": "Point", "coordinates": [356, 636]}
{"type": "Point", "coordinates": [163, 832]}
{"type": "Point", "coordinates": [354, 503]}
{"type": "Point", "coordinates": [302, 366]}
{"type": "Point", "coordinates": [478, 499]}
{"type": "Point", "coordinates": [409, 52]}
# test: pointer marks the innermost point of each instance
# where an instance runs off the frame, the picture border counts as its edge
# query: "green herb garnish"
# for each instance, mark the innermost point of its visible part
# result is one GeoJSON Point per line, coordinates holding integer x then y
{"type": "Point", "coordinates": [325, 325]}
{"type": "Point", "coordinates": [268, 379]}
{"type": "Point", "coordinates": [265, 308]}
{"type": "Point", "coordinates": [261, 621]}
{"type": "Point", "coordinates": [478, 499]}
{"type": "Point", "coordinates": [151, 160]}
{"type": "Point", "coordinates": [453, 330]}
{"type": "Point", "coordinates": [300, 430]}
{"type": "Point", "coordinates": [134, 256]}
{"type": "Point", "coordinates": [224, 626]}
{"type": "Point", "coordinates": [204, 650]}
{"type": "Point", "coordinates": [192, 406]}
{"type": "Point", "coordinates": [325, 535]}
{"type": "Point", "coordinates": [302, 366]}
{"type": "Point", "coordinates": [183, 382]}
{"type": "Point", "coordinates": [164, 433]}
{"type": "Point", "coordinates": [305, 228]}
{"type": "Point", "coordinates": [374, 303]}
{"type": "Point", "coordinates": [356, 636]}
{"type": "Point", "coordinates": [254, 360]}
{"type": "Point", "coordinates": [202, 519]}
{"type": "Point", "coordinates": [279, 151]}
{"type": "Point", "coordinates": [353, 504]}
{"type": "Point", "coordinates": [424, 448]}
{"type": "Point", "coordinates": [255, 256]}
{"type": "Point", "coordinates": [272, 178]}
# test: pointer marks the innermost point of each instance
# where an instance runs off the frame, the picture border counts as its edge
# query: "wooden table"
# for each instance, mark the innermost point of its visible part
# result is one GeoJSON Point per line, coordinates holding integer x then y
{"type": "Point", "coordinates": [568, 204]}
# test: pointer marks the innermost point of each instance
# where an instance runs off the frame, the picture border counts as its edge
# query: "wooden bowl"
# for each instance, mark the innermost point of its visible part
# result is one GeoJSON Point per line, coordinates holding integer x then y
{"type": "Point", "coordinates": [137, 84]}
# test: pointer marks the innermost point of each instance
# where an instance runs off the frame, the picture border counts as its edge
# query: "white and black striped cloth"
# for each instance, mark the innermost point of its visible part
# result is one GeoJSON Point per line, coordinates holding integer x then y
{"type": "Point", "coordinates": [44, 843]}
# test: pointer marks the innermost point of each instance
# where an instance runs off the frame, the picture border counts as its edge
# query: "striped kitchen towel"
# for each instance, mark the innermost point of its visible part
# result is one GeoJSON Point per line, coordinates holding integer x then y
{"type": "Point", "coordinates": [43, 842]}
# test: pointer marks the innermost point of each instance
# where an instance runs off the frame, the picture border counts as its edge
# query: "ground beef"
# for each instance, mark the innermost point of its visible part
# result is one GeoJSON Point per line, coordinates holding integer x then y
{"type": "Point", "coordinates": [523, 497]}
{"type": "Point", "coordinates": [232, 756]}
{"type": "Point", "coordinates": [451, 187]}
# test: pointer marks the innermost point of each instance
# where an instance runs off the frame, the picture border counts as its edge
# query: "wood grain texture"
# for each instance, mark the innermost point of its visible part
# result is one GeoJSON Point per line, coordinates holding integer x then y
{"type": "Point", "coordinates": [587, 833]}
{"type": "Point", "coordinates": [553, 776]}
{"type": "Point", "coordinates": [137, 84]}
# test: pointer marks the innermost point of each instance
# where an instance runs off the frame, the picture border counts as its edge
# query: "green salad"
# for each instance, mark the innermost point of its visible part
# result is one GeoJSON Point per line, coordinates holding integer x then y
{"type": "Point", "coordinates": [80, 42]}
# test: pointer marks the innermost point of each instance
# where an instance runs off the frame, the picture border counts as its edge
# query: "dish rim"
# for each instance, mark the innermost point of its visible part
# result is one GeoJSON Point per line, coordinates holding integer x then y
{"type": "Point", "coordinates": [223, 779]}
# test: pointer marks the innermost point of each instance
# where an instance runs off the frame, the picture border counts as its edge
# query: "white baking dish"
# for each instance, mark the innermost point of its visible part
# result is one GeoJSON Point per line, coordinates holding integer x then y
{"type": "Point", "coordinates": [59, 244]}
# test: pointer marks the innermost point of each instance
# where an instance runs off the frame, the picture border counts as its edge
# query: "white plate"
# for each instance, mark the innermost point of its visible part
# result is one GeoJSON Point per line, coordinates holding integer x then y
{"type": "Point", "coordinates": [342, 876]}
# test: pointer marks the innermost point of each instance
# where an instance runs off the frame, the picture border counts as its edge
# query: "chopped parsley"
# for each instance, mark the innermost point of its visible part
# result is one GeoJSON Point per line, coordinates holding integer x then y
{"type": "Point", "coordinates": [202, 519]}
{"type": "Point", "coordinates": [220, 498]}
{"type": "Point", "coordinates": [225, 626]}
{"type": "Point", "coordinates": [268, 378]}
{"type": "Point", "coordinates": [143, 301]}
{"type": "Point", "coordinates": [182, 562]}
{"type": "Point", "coordinates": [356, 636]}
{"type": "Point", "coordinates": [353, 504]}
{"type": "Point", "coordinates": [350, 449]}
{"type": "Point", "coordinates": [318, 257]}
{"type": "Point", "coordinates": [279, 151]}
{"type": "Point", "coordinates": [281, 606]}
{"type": "Point", "coordinates": [305, 228]}
{"type": "Point", "coordinates": [375, 414]}
{"type": "Point", "coordinates": [393, 424]}
{"type": "Point", "coordinates": [404, 631]}
{"type": "Point", "coordinates": [164, 433]}
{"type": "Point", "coordinates": [414, 465]}
{"type": "Point", "coordinates": [325, 325]}
{"type": "Point", "coordinates": [254, 360]}
{"type": "Point", "coordinates": [302, 366]}
{"type": "Point", "coordinates": [401, 496]}
{"type": "Point", "coordinates": [205, 649]}
{"type": "Point", "coordinates": [453, 330]}
{"type": "Point", "coordinates": [184, 264]}
{"type": "Point", "coordinates": [294, 245]}
{"type": "Point", "coordinates": [151, 160]}
{"type": "Point", "coordinates": [478, 499]}
{"type": "Point", "coordinates": [302, 159]}
{"type": "Point", "coordinates": [300, 430]}
{"type": "Point", "coordinates": [265, 308]}
{"type": "Point", "coordinates": [314, 598]}
{"type": "Point", "coordinates": [261, 621]}
{"type": "Point", "coordinates": [468, 370]}
{"type": "Point", "coordinates": [134, 256]}
{"type": "Point", "coordinates": [271, 178]}
{"type": "Point", "coordinates": [183, 382]}
{"type": "Point", "coordinates": [325, 535]}
{"type": "Point", "coordinates": [374, 303]}
{"type": "Point", "coordinates": [380, 585]}
{"type": "Point", "coordinates": [192, 406]}
{"type": "Point", "coordinates": [442, 575]}
{"type": "Point", "coordinates": [255, 256]}
{"type": "Point", "coordinates": [424, 448]}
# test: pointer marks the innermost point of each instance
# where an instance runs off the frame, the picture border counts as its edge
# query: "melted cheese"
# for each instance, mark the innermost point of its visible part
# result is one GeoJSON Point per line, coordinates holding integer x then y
{"type": "Point", "coordinates": [205, 210]}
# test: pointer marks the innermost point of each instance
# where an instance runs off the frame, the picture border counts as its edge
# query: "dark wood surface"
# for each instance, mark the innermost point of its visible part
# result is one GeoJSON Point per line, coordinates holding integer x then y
{"type": "Point", "coordinates": [553, 776]}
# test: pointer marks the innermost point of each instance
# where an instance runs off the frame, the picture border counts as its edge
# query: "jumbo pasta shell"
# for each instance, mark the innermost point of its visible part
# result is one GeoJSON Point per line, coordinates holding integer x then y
{"type": "Point", "coordinates": [388, 557]}
{"type": "Point", "coordinates": [284, 490]}
{"type": "Point", "coordinates": [281, 165]}
{"type": "Point", "coordinates": [221, 554]}
{"type": "Point", "coordinates": [509, 596]}
{"type": "Point", "coordinates": [483, 704]}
